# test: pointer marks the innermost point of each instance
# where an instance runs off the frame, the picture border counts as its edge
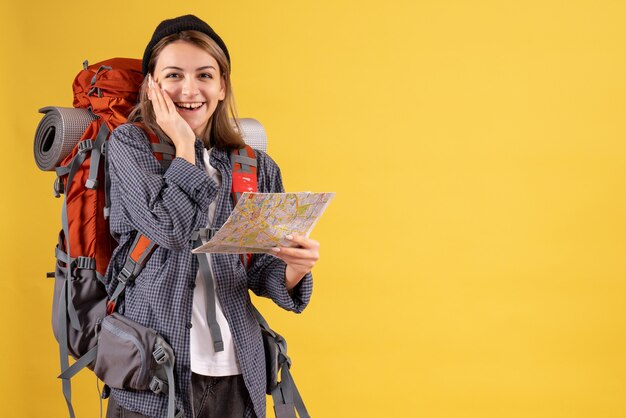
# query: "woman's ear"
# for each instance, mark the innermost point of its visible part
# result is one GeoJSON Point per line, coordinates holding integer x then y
{"type": "Point", "coordinates": [222, 89]}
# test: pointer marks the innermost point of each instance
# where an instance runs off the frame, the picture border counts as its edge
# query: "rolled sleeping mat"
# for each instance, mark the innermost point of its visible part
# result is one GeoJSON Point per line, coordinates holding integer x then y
{"type": "Point", "coordinates": [62, 127]}
{"type": "Point", "coordinates": [253, 133]}
{"type": "Point", "coordinates": [57, 134]}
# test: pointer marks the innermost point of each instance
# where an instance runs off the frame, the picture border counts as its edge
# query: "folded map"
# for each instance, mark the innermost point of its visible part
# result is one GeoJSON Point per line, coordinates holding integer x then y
{"type": "Point", "coordinates": [261, 221]}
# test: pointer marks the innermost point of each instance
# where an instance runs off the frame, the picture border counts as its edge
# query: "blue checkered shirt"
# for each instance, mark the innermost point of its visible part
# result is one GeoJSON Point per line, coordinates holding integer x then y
{"type": "Point", "coordinates": [167, 206]}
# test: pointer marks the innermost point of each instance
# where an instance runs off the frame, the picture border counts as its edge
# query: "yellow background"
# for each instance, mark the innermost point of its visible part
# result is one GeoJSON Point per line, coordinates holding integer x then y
{"type": "Point", "coordinates": [473, 258]}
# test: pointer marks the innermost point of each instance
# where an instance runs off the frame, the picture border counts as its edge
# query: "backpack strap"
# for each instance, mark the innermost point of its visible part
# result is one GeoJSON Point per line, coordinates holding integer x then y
{"type": "Point", "coordinates": [164, 357]}
{"type": "Point", "coordinates": [96, 153]}
{"type": "Point", "coordinates": [107, 181]}
{"type": "Point", "coordinates": [66, 307]}
{"type": "Point", "coordinates": [140, 251]}
{"type": "Point", "coordinates": [142, 248]}
{"type": "Point", "coordinates": [70, 170]}
{"type": "Point", "coordinates": [209, 288]}
{"type": "Point", "coordinates": [244, 175]}
{"type": "Point", "coordinates": [244, 165]}
{"type": "Point", "coordinates": [286, 397]}
{"type": "Point", "coordinates": [163, 151]}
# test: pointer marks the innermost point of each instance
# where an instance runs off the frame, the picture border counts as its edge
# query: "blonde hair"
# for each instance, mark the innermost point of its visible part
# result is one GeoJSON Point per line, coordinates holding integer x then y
{"type": "Point", "coordinates": [222, 130]}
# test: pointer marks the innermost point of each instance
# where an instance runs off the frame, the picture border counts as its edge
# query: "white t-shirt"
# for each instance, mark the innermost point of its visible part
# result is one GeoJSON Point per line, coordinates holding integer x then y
{"type": "Point", "coordinates": [204, 360]}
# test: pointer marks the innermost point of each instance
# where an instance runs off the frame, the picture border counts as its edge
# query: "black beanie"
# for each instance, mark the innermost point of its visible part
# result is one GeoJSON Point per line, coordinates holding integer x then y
{"type": "Point", "coordinates": [179, 24]}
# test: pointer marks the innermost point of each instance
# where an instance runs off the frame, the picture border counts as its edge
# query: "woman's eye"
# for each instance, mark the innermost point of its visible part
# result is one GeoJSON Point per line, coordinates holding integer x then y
{"type": "Point", "coordinates": [172, 75]}
{"type": "Point", "coordinates": [206, 75]}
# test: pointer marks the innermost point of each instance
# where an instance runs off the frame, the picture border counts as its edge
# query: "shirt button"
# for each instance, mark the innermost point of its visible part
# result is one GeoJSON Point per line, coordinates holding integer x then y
{"type": "Point", "coordinates": [192, 285]}
{"type": "Point", "coordinates": [188, 325]}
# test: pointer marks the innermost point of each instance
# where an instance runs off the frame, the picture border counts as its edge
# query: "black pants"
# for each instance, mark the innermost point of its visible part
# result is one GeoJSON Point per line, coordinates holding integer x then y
{"type": "Point", "coordinates": [213, 397]}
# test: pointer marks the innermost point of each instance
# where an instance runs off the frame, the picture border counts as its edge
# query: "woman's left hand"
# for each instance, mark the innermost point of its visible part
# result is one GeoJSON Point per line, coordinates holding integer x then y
{"type": "Point", "coordinates": [300, 259]}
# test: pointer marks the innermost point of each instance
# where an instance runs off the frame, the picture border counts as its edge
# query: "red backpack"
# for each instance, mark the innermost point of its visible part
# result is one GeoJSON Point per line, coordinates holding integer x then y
{"type": "Point", "coordinates": [109, 90]}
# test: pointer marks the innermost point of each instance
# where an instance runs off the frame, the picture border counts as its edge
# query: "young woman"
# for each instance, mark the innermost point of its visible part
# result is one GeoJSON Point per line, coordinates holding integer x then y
{"type": "Point", "coordinates": [187, 98]}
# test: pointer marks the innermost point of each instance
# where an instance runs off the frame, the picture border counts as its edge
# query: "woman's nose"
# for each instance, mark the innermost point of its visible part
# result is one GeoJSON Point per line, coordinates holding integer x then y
{"type": "Point", "coordinates": [190, 87]}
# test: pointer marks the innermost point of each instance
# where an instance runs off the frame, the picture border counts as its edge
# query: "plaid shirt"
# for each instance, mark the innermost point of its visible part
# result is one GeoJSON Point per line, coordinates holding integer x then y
{"type": "Point", "coordinates": [167, 206]}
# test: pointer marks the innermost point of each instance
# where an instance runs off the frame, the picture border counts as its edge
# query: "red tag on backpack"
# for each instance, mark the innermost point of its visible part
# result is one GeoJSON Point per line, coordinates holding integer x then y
{"type": "Point", "coordinates": [244, 182]}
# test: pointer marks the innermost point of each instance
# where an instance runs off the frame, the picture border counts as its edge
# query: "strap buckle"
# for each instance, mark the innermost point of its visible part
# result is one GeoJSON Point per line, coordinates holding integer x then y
{"type": "Point", "coordinates": [85, 145]}
{"type": "Point", "coordinates": [158, 386]}
{"type": "Point", "coordinates": [125, 275]}
{"type": "Point", "coordinates": [58, 187]}
{"type": "Point", "coordinates": [160, 355]}
{"type": "Point", "coordinates": [91, 184]}
{"type": "Point", "coordinates": [85, 263]}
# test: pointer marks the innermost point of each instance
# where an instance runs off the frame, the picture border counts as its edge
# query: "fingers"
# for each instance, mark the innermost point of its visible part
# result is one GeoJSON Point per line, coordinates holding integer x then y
{"type": "Point", "coordinates": [169, 103]}
{"type": "Point", "coordinates": [303, 241]}
{"type": "Point", "coordinates": [302, 257]}
{"type": "Point", "coordinates": [170, 121]}
{"type": "Point", "coordinates": [297, 257]}
{"type": "Point", "coordinates": [157, 96]}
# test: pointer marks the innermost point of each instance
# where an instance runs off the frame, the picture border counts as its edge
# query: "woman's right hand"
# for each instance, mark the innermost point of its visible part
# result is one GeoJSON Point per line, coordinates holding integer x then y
{"type": "Point", "coordinates": [170, 121]}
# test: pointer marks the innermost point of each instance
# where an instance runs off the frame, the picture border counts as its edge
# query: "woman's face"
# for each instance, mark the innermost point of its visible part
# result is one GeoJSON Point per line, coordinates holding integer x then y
{"type": "Point", "coordinates": [192, 79]}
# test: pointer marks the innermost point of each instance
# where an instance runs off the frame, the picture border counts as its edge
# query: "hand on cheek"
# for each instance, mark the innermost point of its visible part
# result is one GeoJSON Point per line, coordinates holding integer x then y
{"type": "Point", "coordinates": [170, 121]}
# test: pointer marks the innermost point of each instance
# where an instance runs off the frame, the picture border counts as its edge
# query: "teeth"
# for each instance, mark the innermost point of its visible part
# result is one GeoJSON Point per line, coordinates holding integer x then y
{"type": "Point", "coordinates": [189, 105]}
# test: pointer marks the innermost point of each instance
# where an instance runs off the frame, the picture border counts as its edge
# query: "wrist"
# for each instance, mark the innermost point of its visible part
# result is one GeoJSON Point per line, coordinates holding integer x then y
{"type": "Point", "coordinates": [187, 152]}
{"type": "Point", "coordinates": [292, 277]}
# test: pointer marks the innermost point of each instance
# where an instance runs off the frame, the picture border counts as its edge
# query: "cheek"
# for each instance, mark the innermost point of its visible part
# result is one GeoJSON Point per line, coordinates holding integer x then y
{"type": "Point", "coordinates": [168, 90]}
{"type": "Point", "coordinates": [215, 92]}
{"type": "Point", "coordinates": [212, 105]}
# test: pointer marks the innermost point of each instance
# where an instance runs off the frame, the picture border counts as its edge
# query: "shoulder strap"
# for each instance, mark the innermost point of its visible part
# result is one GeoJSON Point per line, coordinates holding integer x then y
{"type": "Point", "coordinates": [141, 248]}
{"type": "Point", "coordinates": [140, 252]}
{"type": "Point", "coordinates": [286, 396]}
{"type": "Point", "coordinates": [163, 150]}
{"type": "Point", "coordinates": [244, 165]}
{"type": "Point", "coordinates": [209, 288]}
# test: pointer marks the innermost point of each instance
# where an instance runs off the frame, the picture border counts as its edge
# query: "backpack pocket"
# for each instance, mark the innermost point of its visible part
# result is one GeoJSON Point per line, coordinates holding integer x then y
{"type": "Point", "coordinates": [85, 294]}
{"type": "Point", "coordinates": [130, 355]}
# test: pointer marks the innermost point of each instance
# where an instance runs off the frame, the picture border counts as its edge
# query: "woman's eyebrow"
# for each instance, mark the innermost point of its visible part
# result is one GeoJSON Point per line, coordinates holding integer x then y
{"type": "Point", "coordinates": [171, 68]}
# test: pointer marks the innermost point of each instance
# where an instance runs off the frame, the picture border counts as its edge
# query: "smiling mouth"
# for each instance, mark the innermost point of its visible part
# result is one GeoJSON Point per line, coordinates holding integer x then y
{"type": "Point", "coordinates": [189, 107]}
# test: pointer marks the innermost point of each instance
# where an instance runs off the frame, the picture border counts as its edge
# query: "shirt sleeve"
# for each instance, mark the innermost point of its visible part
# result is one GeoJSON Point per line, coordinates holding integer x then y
{"type": "Point", "coordinates": [165, 207]}
{"type": "Point", "coordinates": [266, 276]}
